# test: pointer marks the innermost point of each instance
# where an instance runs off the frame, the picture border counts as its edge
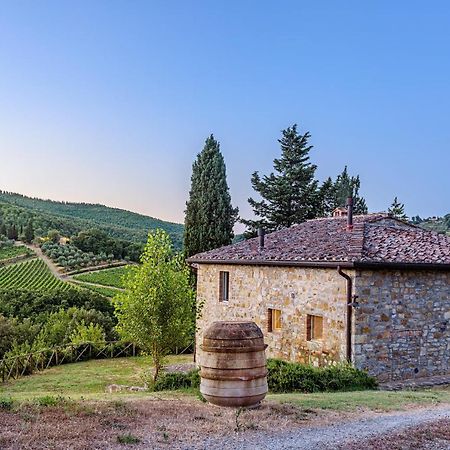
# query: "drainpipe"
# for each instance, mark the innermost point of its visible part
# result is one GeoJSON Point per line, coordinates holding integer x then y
{"type": "Point", "coordinates": [349, 311]}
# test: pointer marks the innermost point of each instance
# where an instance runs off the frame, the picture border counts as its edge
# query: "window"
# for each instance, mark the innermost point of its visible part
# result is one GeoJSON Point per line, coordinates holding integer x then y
{"type": "Point", "coordinates": [314, 327]}
{"type": "Point", "coordinates": [224, 286]}
{"type": "Point", "coordinates": [273, 319]}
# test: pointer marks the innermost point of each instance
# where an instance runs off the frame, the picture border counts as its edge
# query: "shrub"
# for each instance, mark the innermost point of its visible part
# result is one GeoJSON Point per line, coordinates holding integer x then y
{"type": "Point", "coordinates": [293, 377]}
{"type": "Point", "coordinates": [177, 380]}
{"type": "Point", "coordinates": [6, 403]}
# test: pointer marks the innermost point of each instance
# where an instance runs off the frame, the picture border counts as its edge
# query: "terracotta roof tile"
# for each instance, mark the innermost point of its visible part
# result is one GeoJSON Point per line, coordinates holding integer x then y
{"type": "Point", "coordinates": [375, 238]}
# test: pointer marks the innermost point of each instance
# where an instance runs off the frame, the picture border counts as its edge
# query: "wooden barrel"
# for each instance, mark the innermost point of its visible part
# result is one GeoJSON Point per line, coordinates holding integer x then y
{"type": "Point", "coordinates": [233, 364]}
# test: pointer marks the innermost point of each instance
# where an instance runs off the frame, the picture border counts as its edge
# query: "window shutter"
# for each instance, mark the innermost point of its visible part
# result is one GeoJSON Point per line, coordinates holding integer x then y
{"type": "Point", "coordinates": [220, 286]}
{"type": "Point", "coordinates": [269, 320]}
{"type": "Point", "coordinates": [308, 327]}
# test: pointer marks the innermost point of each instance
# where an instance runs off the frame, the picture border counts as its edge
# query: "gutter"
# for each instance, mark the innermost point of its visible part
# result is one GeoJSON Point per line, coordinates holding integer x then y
{"type": "Point", "coordinates": [350, 305]}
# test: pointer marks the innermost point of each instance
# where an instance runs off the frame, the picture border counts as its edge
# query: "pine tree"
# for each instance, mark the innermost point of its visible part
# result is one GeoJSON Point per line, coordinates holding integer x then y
{"type": "Point", "coordinates": [29, 232]}
{"type": "Point", "coordinates": [335, 194]}
{"type": "Point", "coordinates": [210, 217]}
{"type": "Point", "coordinates": [290, 195]}
{"type": "Point", "coordinates": [397, 210]}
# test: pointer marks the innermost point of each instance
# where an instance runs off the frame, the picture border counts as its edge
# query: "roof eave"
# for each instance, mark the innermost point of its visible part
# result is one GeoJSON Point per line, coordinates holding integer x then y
{"type": "Point", "coordinates": [363, 265]}
{"type": "Point", "coordinates": [371, 265]}
{"type": "Point", "coordinates": [257, 262]}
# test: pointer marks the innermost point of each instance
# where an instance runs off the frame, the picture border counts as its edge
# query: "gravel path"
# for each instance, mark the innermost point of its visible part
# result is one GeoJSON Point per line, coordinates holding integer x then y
{"type": "Point", "coordinates": [332, 436]}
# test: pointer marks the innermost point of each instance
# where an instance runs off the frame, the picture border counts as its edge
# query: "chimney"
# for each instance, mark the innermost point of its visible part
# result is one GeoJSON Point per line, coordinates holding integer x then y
{"type": "Point", "coordinates": [261, 234]}
{"type": "Point", "coordinates": [349, 213]}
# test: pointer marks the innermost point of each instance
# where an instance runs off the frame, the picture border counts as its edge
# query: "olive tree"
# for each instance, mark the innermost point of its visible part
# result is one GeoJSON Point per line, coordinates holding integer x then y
{"type": "Point", "coordinates": [156, 309]}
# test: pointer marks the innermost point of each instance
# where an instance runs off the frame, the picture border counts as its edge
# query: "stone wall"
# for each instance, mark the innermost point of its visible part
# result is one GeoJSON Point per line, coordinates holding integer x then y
{"type": "Point", "coordinates": [402, 326]}
{"type": "Point", "coordinates": [295, 291]}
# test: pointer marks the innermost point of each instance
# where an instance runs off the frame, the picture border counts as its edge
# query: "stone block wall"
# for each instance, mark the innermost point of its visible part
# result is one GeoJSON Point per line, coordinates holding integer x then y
{"type": "Point", "coordinates": [295, 291]}
{"type": "Point", "coordinates": [402, 326]}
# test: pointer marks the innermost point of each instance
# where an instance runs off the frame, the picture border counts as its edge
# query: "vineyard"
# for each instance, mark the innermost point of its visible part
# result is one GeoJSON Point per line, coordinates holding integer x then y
{"type": "Point", "coordinates": [107, 277]}
{"type": "Point", "coordinates": [32, 275]}
{"type": "Point", "coordinates": [12, 252]}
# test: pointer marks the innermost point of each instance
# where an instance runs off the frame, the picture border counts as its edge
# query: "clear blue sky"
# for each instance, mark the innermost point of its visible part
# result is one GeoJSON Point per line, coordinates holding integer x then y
{"type": "Point", "coordinates": [110, 101]}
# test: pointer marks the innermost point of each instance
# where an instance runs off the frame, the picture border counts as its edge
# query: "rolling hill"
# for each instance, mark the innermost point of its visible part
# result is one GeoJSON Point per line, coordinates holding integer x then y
{"type": "Point", "coordinates": [70, 218]}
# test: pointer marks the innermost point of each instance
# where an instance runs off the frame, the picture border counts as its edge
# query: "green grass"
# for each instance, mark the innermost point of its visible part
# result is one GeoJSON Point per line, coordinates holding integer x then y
{"type": "Point", "coordinates": [88, 380]}
{"type": "Point", "coordinates": [105, 291]}
{"type": "Point", "coordinates": [375, 400]}
{"type": "Point", "coordinates": [33, 275]}
{"type": "Point", "coordinates": [84, 379]}
{"type": "Point", "coordinates": [106, 277]}
{"type": "Point", "coordinates": [12, 252]}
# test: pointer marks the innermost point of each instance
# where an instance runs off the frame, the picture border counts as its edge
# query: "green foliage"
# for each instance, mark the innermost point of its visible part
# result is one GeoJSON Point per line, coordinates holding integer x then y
{"type": "Point", "coordinates": [290, 195]}
{"type": "Point", "coordinates": [71, 218]}
{"type": "Point", "coordinates": [293, 377]}
{"type": "Point", "coordinates": [334, 194]}
{"type": "Point", "coordinates": [8, 252]}
{"type": "Point", "coordinates": [54, 236]}
{"type": "Point", "coordinates": [68, 325]}
{"type": "Point", "coordinates": [83, 333]}
{"type": "Point", "coordinates": [6, 403]}
{"type": "Point", "coordinates": [171, 381]}
{"type": "Point", "coordinates": [71, 258]}
{"type": "Point", "coordinates": [102, 290]}
{"type": "Point", "coordinates": [37, 305]}
{"type": "Point", "coordinates": [15, 332]}
{"type": "Point", "coordinates": [155, 311]}
{"type": "Point", "coordinates": [29, 232]}
{"type": "Point", "coordinates": [128, 439]}
{"type": "Point", "coordinates": [97, 242]}
{"type": "Point", "coordinates": [210, 216]}
{"type": "Point", "coordinates": [33, 275]}
{"type": "Point", "coordinates": [106, 277]}
{"type": "Point", "coordinates": [397, 210]}
{"type": "Point", "coordinates": [50, 400]}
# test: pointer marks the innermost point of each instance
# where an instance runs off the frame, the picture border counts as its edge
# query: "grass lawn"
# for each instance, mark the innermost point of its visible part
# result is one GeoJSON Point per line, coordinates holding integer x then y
{"type": "Point", "coordinates": [12, 252]}
{"type": "Point", "coordinates": [375, 400]}
{"type": "Point", "coordinates": [86, 379]}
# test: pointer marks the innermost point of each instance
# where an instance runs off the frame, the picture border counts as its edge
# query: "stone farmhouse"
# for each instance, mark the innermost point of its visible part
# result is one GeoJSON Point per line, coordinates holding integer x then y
{"type": "Point", "coordinates": [371, 289]}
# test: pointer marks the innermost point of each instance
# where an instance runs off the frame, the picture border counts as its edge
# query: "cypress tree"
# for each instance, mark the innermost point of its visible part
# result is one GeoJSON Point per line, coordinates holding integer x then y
{"type": "Point", "coordinates": [29, 232]}
{"type": "Point", "coordinates": [397, 210]}
{"type": "Point", "coordinates": [290, 195]}
{"type": "Point", "coordinates": [210, 216]}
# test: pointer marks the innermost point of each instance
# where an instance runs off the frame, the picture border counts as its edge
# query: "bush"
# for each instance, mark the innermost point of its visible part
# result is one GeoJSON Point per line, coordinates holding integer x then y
{"type": "Point", "coordinates": [293, 377]}
{"type": "Point", "coordinates": [6, 403]}
{"type": "Point", "coordinates": [177, 380]}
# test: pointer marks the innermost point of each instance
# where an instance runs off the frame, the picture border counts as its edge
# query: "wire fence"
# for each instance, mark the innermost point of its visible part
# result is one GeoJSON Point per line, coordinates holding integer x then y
{"type": "Point", "coordinates": [18, 366]}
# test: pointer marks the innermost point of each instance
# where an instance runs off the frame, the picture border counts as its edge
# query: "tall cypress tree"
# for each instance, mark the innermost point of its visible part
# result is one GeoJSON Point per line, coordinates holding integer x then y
{"type": "Point", "coordinates": [29, 232]}
{"type": "Point", "coordinates": [210, 216]}
{"type": "Point", "coordinates": [289, 196]}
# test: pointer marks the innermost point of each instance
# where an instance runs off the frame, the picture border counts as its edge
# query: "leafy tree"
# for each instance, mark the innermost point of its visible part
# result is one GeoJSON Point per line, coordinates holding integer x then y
{"type": "Point", "coordinates": [155, 310]}
{"type": "Point", "coordinates": [29, 232]}
{"type": "Point", "coordinates": [87, 333]}
{"type": "Point", "coordinates": [335, 194]}
{"type": "Point", "coordinates": [3, 231]}
{"type": "Point", "coordinates": [397, 210]}
{"type": "Point", "coordinates": [210, 217]}
{"type": "Point", "coordinates": [290, 195]}
{"type": "Point", "coordinates": [54, 236]}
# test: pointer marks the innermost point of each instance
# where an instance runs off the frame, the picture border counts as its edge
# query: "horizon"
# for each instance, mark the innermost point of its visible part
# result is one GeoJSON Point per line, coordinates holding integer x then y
{"type": "Point", "coordinates": [109, 103]}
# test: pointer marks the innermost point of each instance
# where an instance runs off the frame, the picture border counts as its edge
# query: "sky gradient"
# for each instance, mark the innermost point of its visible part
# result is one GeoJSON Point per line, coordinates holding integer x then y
{"type": "Point", "coordinates": [110, 101]}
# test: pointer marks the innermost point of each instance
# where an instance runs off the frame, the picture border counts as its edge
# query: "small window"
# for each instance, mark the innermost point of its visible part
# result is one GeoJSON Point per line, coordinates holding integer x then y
{"type": "Point", "coordinates": [273, 319]}
{"type": "Point", "coordinates": [224, 286]}
{"type": "Point", "coordinates": [314, 327]}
